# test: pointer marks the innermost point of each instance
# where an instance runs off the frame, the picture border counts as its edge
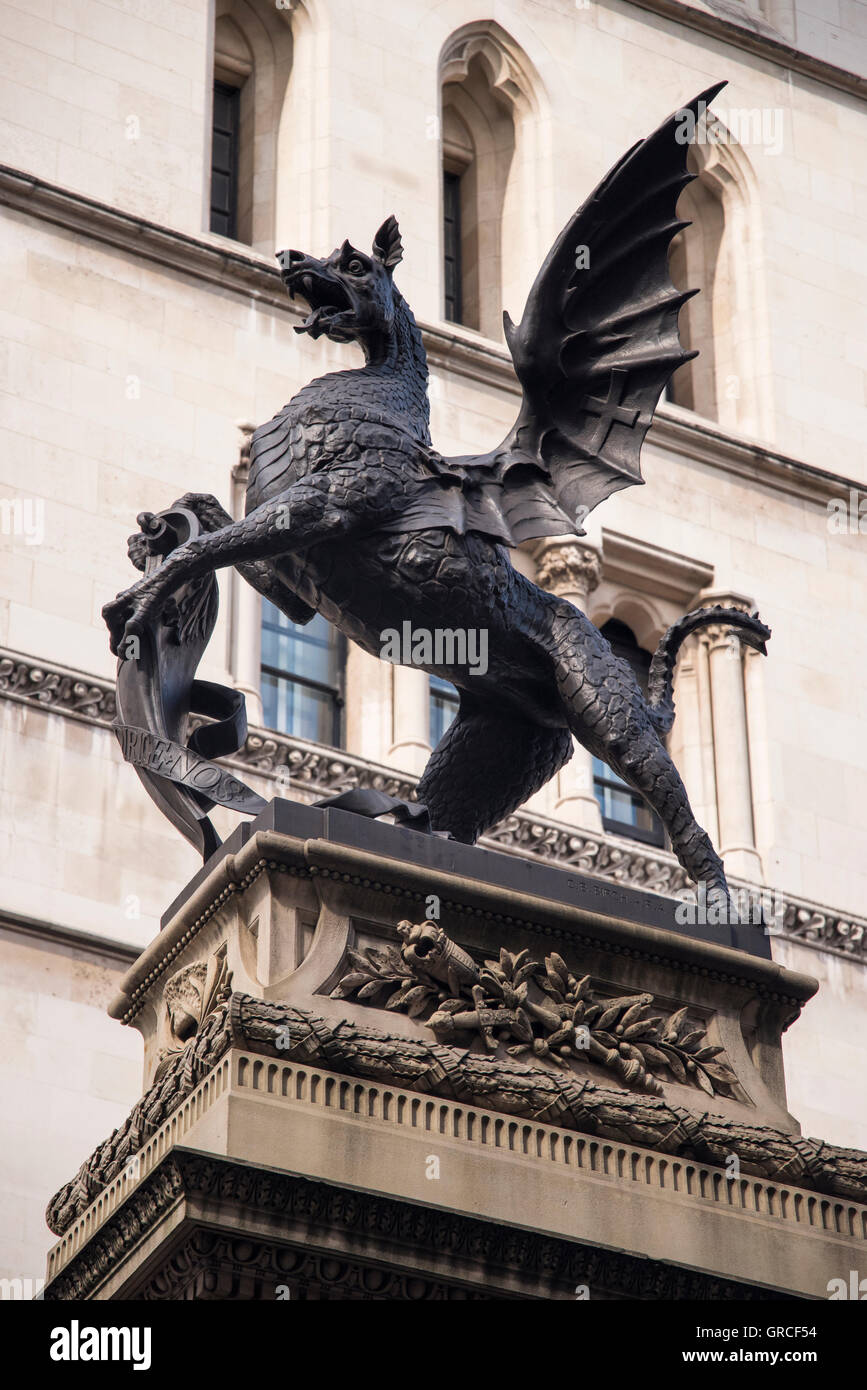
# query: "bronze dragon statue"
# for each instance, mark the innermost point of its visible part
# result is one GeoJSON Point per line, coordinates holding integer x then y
{"type": "Point", "coordinates": [353, 514]}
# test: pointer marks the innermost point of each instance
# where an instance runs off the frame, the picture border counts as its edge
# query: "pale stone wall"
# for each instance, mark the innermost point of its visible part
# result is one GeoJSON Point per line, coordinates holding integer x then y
{"type": "Point", "coordinates": [124, 381]}
{"type": "Point", "coordinates": [824, 1051]}
{"type": "Point", "coordinates": [68, 1076]}
{"type": "Point", "coordinates": [111, 103]}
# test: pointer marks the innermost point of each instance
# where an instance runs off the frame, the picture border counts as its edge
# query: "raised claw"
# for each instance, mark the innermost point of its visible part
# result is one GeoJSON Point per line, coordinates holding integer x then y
{"type": "Point", "coordinates": [137, 549]}
{"type": "Point", "coordinates": [123, 615]}
{"type": "Point", "coordinates": [205, 507]}
{"type": "Point", "coordinates": [197, 501]}
{"type": "Point", "coordinates": [115, 616]}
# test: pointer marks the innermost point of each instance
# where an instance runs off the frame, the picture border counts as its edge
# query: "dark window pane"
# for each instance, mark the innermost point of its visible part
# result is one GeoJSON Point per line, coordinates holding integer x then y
{"type": "Point", "coordinates": [221, 151]}
{"type": "Point", "coordinates": [302, 676]}
{"type": "Point", "coordinates": [619, 803]}
{"type": "Point", "coordinates": [308, 651]}
{"type": "Point", "coordinates": [224, 97]}
{"type": "Point", "coordinates": [452, 246]}
{"type": "Point", "coordinates": [296, 709]}
{"type": "Point", "coordinates": [221, 193]}
{"type": "Point", "coordinates": [220, 223]}
{"type": "Point", "coordinates": [224, 160]}
{"type": "Point", "coordinates": [443, 707]}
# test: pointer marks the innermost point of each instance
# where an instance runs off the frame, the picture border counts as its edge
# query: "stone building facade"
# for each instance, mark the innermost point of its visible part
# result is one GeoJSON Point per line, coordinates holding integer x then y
{"type": "Point", "coordinates": [139, 347]}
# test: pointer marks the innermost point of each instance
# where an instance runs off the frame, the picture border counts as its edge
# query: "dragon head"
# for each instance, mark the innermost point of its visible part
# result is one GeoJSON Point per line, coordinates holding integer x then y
{"type": "Point", "coordinates": [350, 294]}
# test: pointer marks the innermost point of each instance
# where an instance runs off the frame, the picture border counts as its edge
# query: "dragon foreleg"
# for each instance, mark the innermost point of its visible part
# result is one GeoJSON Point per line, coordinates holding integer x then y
{"type": "Point", "coordinates": [266, 532]}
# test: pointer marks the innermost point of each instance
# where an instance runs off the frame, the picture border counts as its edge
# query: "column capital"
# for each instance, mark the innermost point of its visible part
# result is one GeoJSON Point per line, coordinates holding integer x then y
{"type": "Point", "coordinates": [725, 598]}
{"type": "Point", "coordinates": [564, 566]}
{"type": "Point", "coordinates": [719, 635]}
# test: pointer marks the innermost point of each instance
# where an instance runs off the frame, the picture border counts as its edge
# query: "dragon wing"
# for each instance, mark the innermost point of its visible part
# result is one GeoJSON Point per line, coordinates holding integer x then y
{"type": "Point", "coordinates": [594, 350]}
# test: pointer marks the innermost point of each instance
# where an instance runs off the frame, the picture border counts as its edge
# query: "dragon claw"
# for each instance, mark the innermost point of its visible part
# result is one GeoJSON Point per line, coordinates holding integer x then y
{"type": "Point", "coordinates": [128, 615]}
{"type": "Point", "coordinates": [115, 615]}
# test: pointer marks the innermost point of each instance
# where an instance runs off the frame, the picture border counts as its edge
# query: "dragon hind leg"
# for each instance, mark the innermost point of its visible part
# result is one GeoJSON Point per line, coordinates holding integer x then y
{"type": "Point", "coordinates": [608, 714]}
{"type": "Point", "coordinates": [488, 762]}
{"type": "Point", "coordinates": [649, 770]}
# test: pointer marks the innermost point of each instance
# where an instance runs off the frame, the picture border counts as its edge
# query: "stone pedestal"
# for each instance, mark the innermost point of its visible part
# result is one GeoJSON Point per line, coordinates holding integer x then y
{"type": "Point", "coordinates": [382, 1065]}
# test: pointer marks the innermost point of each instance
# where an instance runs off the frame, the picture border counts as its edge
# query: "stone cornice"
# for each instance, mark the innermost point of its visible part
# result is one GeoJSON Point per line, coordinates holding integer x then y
{"type": "Point", "coordinates": [762, 41]}
{"type": "Point", "coordinates": [294, 1036]}
{"type": "Point", "coordinates": [207, 258]}
{"type": "Point", "coordinates": [309, 770]}
{"type": "Point", "coordinates": [100, 948]}
{"type": "Point", "coordinates": [449, 348]}
{"type": "Point", "coordinates": [704, 442]}
{"type": "Point", "coordinates": [510, 1262]}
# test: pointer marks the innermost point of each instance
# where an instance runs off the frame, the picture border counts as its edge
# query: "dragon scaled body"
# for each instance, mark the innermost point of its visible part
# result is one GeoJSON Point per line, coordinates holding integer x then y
{"type": "Point", "coordinates": [353, 514]}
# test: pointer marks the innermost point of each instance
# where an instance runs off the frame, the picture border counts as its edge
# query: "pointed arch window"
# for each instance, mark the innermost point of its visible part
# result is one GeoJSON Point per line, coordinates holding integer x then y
{"type": "Point", "coordinates": [489, 107]}
{"type": "Point", "coordinates": [720, 255]}
{"type": "Point", "coordinates": [694, 263]}
{"type": "Point", "coordinates": [478, 145]}
{"type": "Point", "coordinates": [252, 63]}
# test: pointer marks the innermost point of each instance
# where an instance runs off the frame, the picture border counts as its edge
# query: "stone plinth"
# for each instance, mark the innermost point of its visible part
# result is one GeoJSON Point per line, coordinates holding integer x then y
{"type": "Point", "coordinates": [384, 1065]}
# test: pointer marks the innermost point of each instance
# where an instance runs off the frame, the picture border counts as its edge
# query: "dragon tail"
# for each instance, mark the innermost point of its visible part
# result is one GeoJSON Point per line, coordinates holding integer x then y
{"type": "Point", "coordinates": [660, 696]}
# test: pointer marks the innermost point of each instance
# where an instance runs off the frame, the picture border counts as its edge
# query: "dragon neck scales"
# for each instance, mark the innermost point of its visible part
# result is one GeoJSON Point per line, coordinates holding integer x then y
{"type": "Point", "coordinates": [397, 371]}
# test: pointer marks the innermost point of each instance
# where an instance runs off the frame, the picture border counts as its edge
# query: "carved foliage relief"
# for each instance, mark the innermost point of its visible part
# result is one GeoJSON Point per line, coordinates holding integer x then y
{"type": "Point", "coordinates": [537, 1009]}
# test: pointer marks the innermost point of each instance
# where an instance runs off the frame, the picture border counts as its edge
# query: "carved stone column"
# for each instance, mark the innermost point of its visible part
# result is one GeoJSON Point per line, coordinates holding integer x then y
{"type": "Point", "coordinates": [731, 744]}
{"type": "Point", "coordinates": [246, 644]}
{"type": "Point", "coordinates": [685, 742]}
{"type": "Point", "coordinates": [369, 726]}
{"type": "Point", "coordinates": [572, 571]}
{"type": "Point", "coordinates": [760, 773]}
{"type": "Point", "coordinates": [705, 716]}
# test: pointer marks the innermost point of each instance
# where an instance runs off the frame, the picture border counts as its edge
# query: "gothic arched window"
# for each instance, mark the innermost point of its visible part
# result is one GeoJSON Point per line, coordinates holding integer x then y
{"type": "Point", "coordinates": [720, 254]}
{"type": "Point", "coordinates": [490, 167]}
{"type": "Point", "coordinates": [478, 144]}
{"type": "Point", "coordinates": [252, 62]}
{"type": "Point", "coordinates": [694, 264]}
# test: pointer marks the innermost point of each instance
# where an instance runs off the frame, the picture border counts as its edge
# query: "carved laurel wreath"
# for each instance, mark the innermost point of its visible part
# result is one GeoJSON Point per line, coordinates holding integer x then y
{"type": "Point", "coordinates": [535, 1007]}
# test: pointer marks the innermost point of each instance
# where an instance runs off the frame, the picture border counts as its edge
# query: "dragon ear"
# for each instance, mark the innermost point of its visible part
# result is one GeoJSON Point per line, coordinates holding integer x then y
{"type": "Point", "coordinates": [387, 245]}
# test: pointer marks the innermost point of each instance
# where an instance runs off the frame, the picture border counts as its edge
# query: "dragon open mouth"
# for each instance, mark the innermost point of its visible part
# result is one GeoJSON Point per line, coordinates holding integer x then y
{"type": "Point", "coordinates": [328, 300]}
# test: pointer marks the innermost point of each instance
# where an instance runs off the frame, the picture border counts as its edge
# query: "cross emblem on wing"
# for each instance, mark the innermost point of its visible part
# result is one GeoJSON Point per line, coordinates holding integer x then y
{"type": "Point", "coordinates": [610, 411]}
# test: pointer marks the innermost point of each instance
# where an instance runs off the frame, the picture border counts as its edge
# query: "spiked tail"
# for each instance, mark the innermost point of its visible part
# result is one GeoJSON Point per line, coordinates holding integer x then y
{"type": "Point", "coordinates": [660, 698]}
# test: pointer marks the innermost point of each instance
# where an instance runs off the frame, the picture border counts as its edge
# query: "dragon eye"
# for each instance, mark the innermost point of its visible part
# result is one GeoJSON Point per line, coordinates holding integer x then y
{"type": "Point", "coordinates": [356, 267]}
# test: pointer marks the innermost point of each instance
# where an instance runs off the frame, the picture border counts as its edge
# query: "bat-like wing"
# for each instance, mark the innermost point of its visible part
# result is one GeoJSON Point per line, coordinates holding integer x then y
{"type": "Point", "coordinates": [595, 348]}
